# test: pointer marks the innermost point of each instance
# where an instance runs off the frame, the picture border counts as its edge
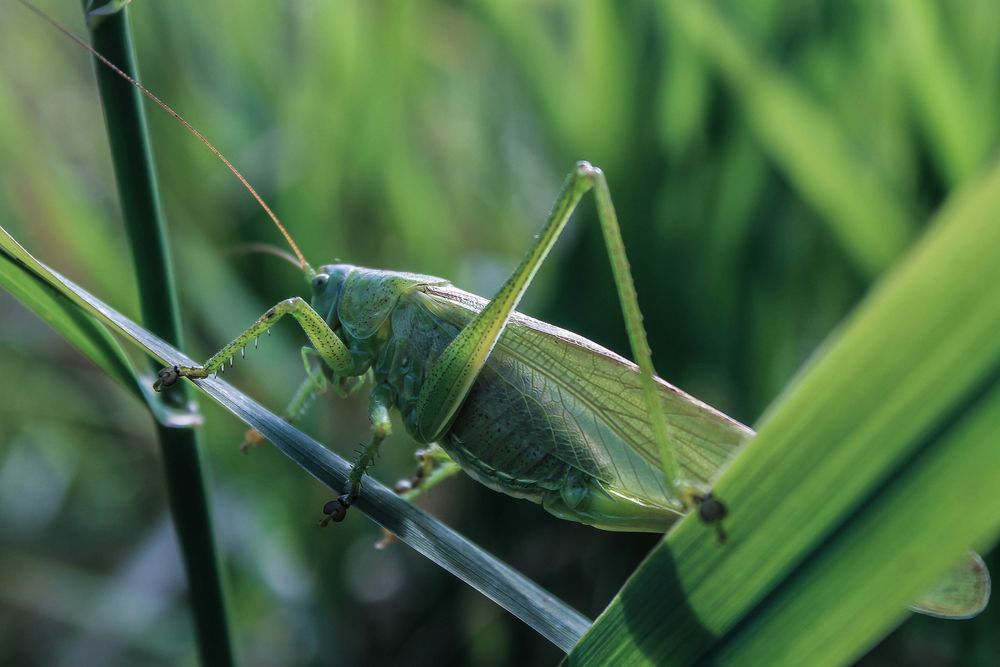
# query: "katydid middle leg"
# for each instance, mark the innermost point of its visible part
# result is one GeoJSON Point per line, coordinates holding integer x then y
{"type": "Point", "coordinates": [433, 467]}
{"type": "Point", "coordinates": [454, 372]}
{"type": "Point", "coordinates": [314, 384]}
{"type": "Point", "coordinates": [378, 413]}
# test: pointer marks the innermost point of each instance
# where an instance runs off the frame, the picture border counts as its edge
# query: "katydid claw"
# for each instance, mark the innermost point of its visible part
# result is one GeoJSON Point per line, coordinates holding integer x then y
{"type": "Point", "coordinates": [335, 510]}
{"type": "Point", "coordinates": [166, 377]}
{"type": "Point", "coordinates": [712, 511]}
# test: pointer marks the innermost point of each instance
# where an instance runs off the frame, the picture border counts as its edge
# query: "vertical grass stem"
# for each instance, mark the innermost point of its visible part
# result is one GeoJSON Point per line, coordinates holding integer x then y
{"type": "Point", "coordinates": [137, 190]}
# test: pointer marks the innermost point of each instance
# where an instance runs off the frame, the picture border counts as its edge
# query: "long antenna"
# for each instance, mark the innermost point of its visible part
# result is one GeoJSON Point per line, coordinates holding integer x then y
{"type": "Point", "coordinates": [303, 264]}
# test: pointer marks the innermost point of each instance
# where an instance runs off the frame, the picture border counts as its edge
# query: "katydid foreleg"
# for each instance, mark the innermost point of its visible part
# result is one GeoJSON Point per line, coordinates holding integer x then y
{"type": "Point", "coordinates": [330, 348]}
{"type": "Point", "coordinates": [337, 358]}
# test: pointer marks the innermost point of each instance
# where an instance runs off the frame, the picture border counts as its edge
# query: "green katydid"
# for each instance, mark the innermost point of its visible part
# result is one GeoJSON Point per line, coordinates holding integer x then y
{"type": "Point", "coordinates": [524, 407]}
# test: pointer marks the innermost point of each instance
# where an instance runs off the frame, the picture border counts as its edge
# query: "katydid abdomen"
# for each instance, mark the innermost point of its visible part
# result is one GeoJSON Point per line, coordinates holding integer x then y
{"type": "Point", "coordinates": [502, 435]}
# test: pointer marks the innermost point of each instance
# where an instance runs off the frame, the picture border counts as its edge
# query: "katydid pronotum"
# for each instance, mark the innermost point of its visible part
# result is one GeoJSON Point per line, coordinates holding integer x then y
{"type": "Point", "coordinates": [524, 407]}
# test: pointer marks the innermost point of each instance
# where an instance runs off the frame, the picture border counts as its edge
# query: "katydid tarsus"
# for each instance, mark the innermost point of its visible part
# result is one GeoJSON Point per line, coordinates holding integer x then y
{"type": "Point", "coordinates": [524, 407]}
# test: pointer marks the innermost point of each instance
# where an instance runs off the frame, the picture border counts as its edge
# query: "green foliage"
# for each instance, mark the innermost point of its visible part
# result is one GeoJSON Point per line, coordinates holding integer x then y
{"type": "Point", "coordinates": [758, 202]}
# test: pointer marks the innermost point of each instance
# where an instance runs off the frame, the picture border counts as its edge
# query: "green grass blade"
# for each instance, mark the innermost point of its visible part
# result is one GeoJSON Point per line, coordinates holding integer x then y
{"type": "Point", "coordinates": [180, 448]}
{"type": "Point", "coordinates": [76, 326]}
{"type": "Point", "coordinates": [807, 144]}
{"type": "Point", "coordinates": [82, 331]}
{"type": "Point", "coordinates": [549, 616]}
{"type": "Point", "coordinates": [872, 474]}
{"type": "Point", "coordinates": [852, 591]}
{"type": "Point", "coordinates": [956, 115]}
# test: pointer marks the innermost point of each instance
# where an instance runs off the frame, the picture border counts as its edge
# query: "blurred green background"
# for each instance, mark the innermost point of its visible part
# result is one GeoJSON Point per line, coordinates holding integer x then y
{"type": "Point", "coordinates": [768, 161]}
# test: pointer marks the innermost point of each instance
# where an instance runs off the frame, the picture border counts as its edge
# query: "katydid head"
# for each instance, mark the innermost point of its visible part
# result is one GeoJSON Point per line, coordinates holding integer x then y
{"type": "Point", "coordinates": [327, 284]}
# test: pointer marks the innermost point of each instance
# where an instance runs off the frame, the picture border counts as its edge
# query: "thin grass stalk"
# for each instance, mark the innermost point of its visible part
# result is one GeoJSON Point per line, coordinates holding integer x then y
{"type": "Point", "coordinates": [140, 201]}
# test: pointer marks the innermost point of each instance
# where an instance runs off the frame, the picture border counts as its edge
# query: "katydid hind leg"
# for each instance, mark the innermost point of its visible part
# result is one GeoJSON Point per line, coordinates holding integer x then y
{"type": "Point", "coordinates": [627, 297]}
{"type": "Point", "coordinates": [451, 377]}
{"type": "Point", "coordinates": [710, 509]}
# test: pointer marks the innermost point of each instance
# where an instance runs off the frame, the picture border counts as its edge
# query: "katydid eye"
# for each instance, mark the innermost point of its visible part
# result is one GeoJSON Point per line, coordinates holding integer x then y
{"type": "Point", "coordinates": [320, 280]}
